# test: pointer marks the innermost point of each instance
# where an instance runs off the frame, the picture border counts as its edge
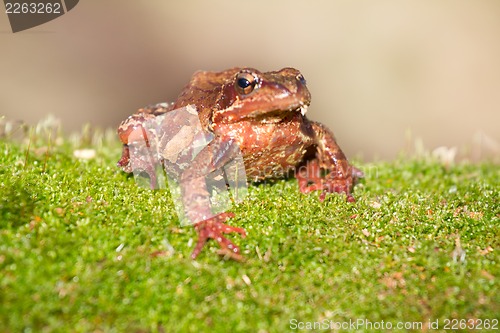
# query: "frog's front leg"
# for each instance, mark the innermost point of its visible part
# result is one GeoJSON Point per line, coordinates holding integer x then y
{"type": "Point", "coordinates": [196, 198]}
{"type": "Point", "coordinates": [341, 175]}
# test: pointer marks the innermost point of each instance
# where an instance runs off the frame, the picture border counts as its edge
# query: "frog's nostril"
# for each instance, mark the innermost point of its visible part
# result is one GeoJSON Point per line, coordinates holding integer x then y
{"type": "Point", "coordinates": [301, 79]}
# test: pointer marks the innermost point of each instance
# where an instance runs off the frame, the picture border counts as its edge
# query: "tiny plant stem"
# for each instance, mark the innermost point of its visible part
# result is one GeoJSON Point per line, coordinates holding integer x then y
{"type": "Point", "coordinates": [28, 150]}
{"type": "Point", "coordinates": [47, 152]}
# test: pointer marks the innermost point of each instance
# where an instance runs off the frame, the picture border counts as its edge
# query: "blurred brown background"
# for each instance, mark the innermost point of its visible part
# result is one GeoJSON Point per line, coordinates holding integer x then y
{"type": "Point", "coordinates": [376, 70]}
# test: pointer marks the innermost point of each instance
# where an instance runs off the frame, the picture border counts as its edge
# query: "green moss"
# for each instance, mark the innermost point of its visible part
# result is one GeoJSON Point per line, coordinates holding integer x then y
{"type": "Point", "coordinates": [78, 238]}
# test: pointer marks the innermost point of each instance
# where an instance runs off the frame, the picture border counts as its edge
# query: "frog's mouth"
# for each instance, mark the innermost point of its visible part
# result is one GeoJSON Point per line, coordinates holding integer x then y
{"type": "Point", "coordinates": [302, 108]}
{"type": "Point", "coordinates": [299, 107]}
{"type": "Point", "coordinates": [260, 113]}
{"type": "Point", "coordinates": [276, 116]}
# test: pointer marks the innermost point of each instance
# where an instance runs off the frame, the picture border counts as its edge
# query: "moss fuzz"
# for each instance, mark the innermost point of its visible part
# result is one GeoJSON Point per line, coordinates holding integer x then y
{"type": "Point", "coordinates": [82, 249]}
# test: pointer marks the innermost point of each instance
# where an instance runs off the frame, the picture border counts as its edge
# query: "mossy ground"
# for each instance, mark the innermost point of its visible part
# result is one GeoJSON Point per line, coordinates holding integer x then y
{"type": "Point", "coordinates": [84, 249]}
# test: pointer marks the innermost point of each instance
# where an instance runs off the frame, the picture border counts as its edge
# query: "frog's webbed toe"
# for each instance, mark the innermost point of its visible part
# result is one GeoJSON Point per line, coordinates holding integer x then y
{"type": "Point", "coordinates": [213, 228]}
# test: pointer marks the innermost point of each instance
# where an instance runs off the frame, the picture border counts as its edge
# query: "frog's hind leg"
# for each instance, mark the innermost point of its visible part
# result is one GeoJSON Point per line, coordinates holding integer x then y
{"type": "Point", "coordinates": [138, 166]}
{"type": "Point", "coordinates": [196, 197]}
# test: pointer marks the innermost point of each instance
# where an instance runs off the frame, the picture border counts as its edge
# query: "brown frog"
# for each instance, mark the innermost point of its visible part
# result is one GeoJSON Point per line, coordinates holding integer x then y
{"type": "Point", "coordinates": [262, 113]}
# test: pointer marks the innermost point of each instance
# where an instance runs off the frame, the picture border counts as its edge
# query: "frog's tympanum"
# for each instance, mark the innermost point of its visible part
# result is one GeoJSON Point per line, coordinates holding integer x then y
{"type": "Point", "coordinates": [264, 115]}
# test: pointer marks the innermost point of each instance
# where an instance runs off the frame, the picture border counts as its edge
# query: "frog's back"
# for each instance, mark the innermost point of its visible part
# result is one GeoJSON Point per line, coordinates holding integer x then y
{"type": "Point", "coordinates": [204, 88]}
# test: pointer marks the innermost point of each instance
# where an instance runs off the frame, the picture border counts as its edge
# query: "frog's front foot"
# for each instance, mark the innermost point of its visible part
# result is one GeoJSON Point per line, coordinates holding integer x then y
{"type": "Point", "coordinates": [341, 182]}
{"type": "Point", "coordinates": [342, 185]}
{"type": "Point", "coordinates": [214, 228]}
{"type": "Point", "coordinates": [310, 179]}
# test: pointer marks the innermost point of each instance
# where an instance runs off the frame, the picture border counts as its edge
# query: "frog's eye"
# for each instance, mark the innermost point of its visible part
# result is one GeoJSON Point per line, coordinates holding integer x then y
{"type": "Point", "coordinates": [245, 83]}
{"type": "Point", "coordinates": [301, 78]}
